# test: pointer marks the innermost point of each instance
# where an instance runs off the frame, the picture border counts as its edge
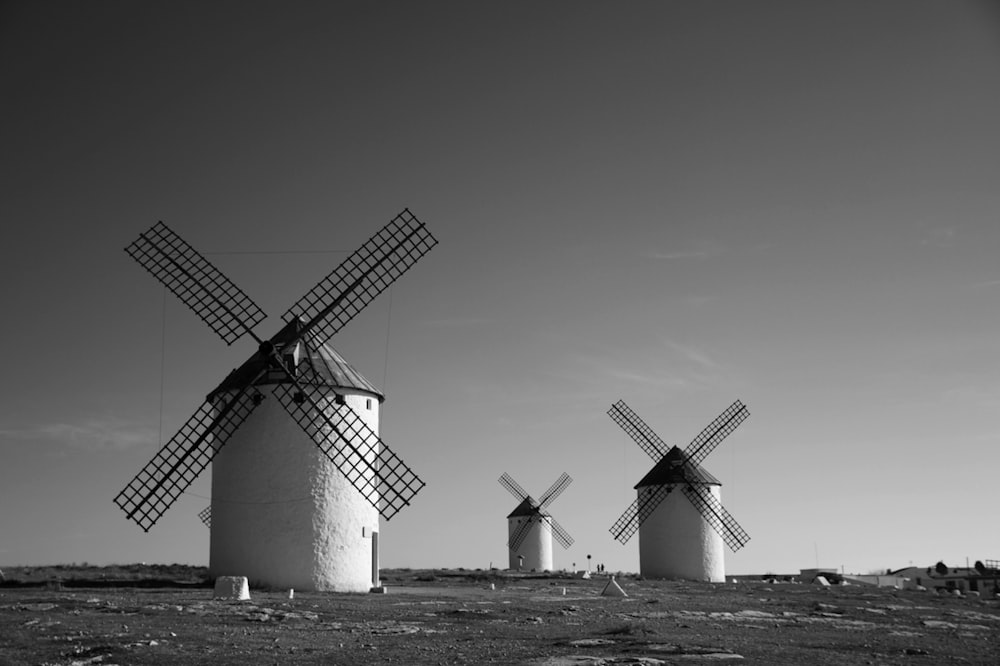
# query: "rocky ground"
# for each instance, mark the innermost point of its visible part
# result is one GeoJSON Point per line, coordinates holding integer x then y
{"type": "Point", "coordinates": [454, 617]}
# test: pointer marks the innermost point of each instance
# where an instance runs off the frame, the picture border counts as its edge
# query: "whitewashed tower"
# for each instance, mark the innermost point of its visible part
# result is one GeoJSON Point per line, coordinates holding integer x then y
{"type": "Point", "coordinates": [301, 474]}
{"type": "Point", "coordinates": [531, 528]}
{"type": "Point", "coordinates": [283, 514]}
{"type": "Point", "coordinates": [678, 511]}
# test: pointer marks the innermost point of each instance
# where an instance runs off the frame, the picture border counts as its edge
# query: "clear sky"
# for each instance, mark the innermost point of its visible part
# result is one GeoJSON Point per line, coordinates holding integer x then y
{"type": "Point", "coordinates": [678, 204]}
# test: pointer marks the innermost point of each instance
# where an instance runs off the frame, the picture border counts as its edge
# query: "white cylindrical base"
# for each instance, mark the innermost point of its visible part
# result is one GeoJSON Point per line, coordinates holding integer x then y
{"type": "Point", "coordinates": [675, 541]}
{"type": "Point", "coordinates": [282, 514]}
{"type": "Point", "coordinates": [536, 547]}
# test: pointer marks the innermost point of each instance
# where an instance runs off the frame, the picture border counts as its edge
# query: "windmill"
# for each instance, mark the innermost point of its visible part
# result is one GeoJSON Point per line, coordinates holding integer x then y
{"type": "Point", "coordinates": [680, 534]}
{"type": "Point", "coordinates": [530, 527]}
{"type": "Point", "coordinates": [299, 475]}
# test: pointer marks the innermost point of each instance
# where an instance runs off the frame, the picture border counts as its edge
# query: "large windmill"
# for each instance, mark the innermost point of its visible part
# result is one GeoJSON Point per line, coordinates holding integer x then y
{"type": "Point", "coordinates": [299, 475]}
{"type": "Point", "coordinates": [530, 527]}
{"type": "Point", "coordinates": [680, 534]}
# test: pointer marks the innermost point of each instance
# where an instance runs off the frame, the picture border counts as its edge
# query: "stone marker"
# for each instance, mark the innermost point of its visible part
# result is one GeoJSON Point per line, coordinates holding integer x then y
{"type": "Point", "coordinates": [612, 589]}
{"type": "Point", "coordinates": [232, 587]}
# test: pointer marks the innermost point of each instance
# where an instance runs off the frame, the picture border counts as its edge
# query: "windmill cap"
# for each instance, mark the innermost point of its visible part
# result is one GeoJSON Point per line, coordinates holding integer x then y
{"type": "Point", "coordinates": [528, 507]}
{"type": "Point", "coordinates": [330, 368]}
{"type": "Point", "coordinates": [676, 468]}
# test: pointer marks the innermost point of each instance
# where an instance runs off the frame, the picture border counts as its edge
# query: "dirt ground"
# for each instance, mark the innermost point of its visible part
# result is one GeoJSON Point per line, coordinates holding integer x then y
{"type": "Point", "coordinates": [454, 617]}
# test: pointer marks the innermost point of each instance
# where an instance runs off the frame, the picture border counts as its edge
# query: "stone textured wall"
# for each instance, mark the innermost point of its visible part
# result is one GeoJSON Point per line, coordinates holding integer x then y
{"type": "Point", "coordinates": [282, 514]}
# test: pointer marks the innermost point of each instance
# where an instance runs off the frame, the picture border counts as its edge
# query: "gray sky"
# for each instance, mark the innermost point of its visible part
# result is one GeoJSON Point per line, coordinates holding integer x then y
{"type": "Point", "coordinates": [673, 203]}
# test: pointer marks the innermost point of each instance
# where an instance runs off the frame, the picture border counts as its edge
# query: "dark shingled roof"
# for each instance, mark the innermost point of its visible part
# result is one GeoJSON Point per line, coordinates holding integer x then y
{"type": "Point", "coordinates": [528, 508]}
{"type": "Point", "coordinates": [330, 367]}
{"type": "Point", "coordinates": [674, 468]}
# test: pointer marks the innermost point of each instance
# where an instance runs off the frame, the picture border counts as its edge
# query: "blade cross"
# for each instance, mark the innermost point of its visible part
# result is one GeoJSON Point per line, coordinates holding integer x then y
{"type": "Point", "coordinates": [368, 462]}
{"type": "Point", "coordinates": [536, 509]}
{"type": "Point", "coordinates": [681, 468]}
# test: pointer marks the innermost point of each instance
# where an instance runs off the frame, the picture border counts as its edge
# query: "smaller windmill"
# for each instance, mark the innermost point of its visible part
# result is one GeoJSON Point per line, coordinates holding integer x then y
{"type": "Point", "coordinates": [530, 527]}
{"type": "Point", "coordinates": [680, 535]}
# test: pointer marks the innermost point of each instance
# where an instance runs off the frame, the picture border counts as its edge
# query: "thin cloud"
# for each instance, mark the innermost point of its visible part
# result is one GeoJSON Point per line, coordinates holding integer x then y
{"type": "Point", "coordinates": [939, 236]}
{"type": "Point", "coordinates": [456, 322]}
{"type": "Point", "coordinates": [690, 254]}
{"type": "Point", "coordinates": [692, 354]}
{"type": "Point", "coordinates": [93, 435]}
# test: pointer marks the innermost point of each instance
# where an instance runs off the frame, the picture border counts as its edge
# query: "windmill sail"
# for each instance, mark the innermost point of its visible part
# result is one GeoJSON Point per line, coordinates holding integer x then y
{"type": "Point", "coordinates": [555, 490]}
{"type": "Point", "coordinates": [637, 429]}
{"type": "Point", "coordinates": [717, 516]}
{"type": "Point", "coordinates": [365, 460]}
{"type": "Point", "coordinates": [211, 295]}
{"type": "Point", "coordinates": [338, 297]}
{"type": "Point", "coordinates": [175, 466]}
{"type": "Point", "coordinates": [640, 509]}
{"type": "Point", "coordinates": [715, 432]}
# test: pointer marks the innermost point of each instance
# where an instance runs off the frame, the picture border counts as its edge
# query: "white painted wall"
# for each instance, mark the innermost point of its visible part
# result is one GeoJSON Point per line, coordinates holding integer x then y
{"type": "Point", "coordinates": [282, 514]}
{"type": "Point", "coordinates": [537, 545]}
{"type": "Point", "coordinates": [675, 541]}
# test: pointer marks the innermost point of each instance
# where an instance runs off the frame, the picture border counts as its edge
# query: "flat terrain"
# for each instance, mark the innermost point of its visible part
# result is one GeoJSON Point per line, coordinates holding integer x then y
{"type": "Point", "coordinates": [132, 615]}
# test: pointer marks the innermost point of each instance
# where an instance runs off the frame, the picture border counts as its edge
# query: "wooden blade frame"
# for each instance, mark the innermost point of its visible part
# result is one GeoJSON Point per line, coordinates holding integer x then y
{"type": "Point", "coordinates": [201, 286]}
{"type": "Point", "coordinates": [366, 461]}
{"type": "Point", "coordinates": [637, 429]}
{"type": "Point", "coordinates": [519, 534]}
{"type": "Point", "coordinates": [175, 466]}
{"type": "Point", "coordinates": [637, 512]}
{"type": "Point", "coordinates": [712, 510]}
{"type": "Point", "coordinates": [206, 516]}
{"type": "Point", "coordinates": [338, 297]}
{"type": "Point", "coordinates": [715, 432]}
{"type": "Point", "coordinates": [513, 487]}
{"type": "Point", "coordinates": [555, 490]}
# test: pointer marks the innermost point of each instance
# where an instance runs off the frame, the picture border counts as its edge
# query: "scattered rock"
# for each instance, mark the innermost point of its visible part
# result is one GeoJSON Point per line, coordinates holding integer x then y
{"type": "Point", "coordinates": [590, 642]}
{"type": "Point", "coordinates": [939, 624]}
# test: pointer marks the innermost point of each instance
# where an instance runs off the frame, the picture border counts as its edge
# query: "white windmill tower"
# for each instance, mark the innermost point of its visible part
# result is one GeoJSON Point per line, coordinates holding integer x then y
{"type": "Point", "coordinates": [680, 534]}
{"type": "Point", "coordinates": [530, 527]}
{"type": "Point", "coordinates": [298, 488]}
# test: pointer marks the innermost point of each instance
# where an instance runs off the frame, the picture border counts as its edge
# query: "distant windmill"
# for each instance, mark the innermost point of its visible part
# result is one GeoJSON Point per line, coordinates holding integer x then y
{"type": "Point", "coordinates": [305, 476]}
{"type": "Point", "coordinates": [530, 527]}
{"type": "Point", "coordinates": [680, 535]}
{"type": "Point", "coordinates": [206, 516]}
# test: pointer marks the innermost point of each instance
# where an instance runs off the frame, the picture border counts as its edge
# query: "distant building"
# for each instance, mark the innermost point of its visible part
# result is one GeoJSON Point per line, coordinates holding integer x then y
{"type": "Point", "coordinates": [983, 578]}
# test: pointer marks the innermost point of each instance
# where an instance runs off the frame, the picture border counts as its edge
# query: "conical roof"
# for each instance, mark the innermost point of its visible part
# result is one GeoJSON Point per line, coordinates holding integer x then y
{"type": "Point", "coordinates": [328, 366]}
{"type": "Point", "coordinates": [675, 468]}
{"type": "Point", "coordinates": [528, 507]}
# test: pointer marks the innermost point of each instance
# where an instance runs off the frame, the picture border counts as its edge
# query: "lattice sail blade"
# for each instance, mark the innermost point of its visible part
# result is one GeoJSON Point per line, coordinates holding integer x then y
{"type": "Point", "coordinates": [206, 516]}
{"type": "Point", "coordinates": [361, 277]}
{"type": "Point", "coordinates": [381, 477]}
{"type": "Point", "coordinates": [520, 533]}
{"type": "Point", "coordinates": [715, 432]}
{"type": "Point", "coordinates": [175, 466]}
{"type": "Point", "coordinates": [561, 535]}
{"type": "Point", "coordinates": [513, 487]}
{"type": "Point", "coordinates": [712, 510]}
{"type": "Point", "coordinates": [643, 506]}
{"type": "Point", "coordinates": [201, 286]}
{"type": "Point", "coordinates": [555, 490]}
{"type": "Point", "coordinates": [637, 429]}
{"type": "Point", "coordinates": [627, 523]}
